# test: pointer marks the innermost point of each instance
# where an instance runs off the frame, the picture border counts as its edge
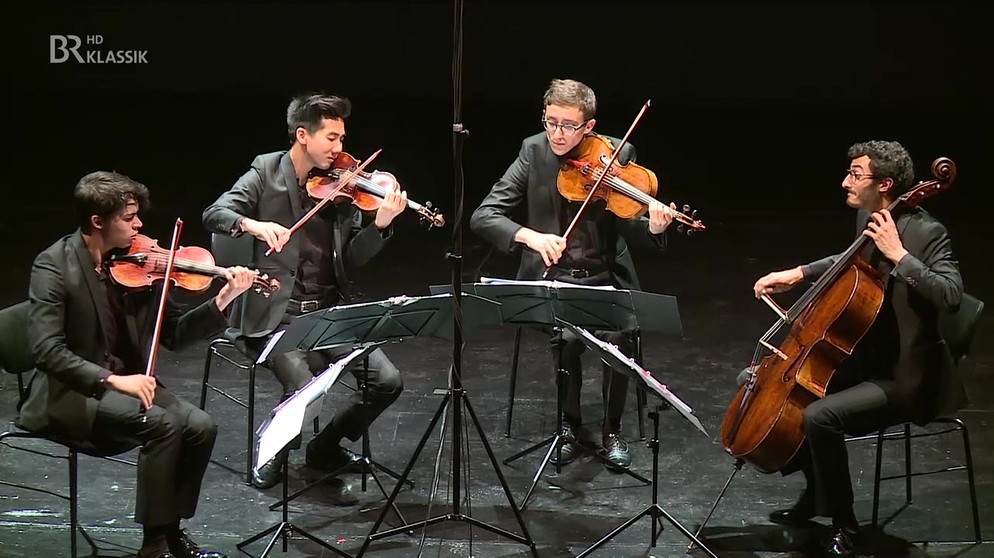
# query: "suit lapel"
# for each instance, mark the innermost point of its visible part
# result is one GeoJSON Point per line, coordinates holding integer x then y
{"type": "Point", "coordinates": [290, 183]}
{"type": "Point", "coordinates": [92, 282]}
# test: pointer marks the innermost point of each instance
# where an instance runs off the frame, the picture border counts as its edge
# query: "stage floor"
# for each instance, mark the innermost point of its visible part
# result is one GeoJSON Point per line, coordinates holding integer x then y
{"type": "Point", "coordinates": [721, 324]}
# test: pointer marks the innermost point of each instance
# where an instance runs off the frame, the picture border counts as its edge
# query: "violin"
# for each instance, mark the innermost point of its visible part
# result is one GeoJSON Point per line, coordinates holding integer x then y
{"type": "Point", "coordinates": [193, 268]}
{"type": "Point", "coordinates": [366, 190]}
{"type": "Point", "coordinates": [630, 188]}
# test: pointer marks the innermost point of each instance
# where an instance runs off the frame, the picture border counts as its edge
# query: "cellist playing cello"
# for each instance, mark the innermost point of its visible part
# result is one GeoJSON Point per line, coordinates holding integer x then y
{"type": "Point", "coordinates": [901, 370]}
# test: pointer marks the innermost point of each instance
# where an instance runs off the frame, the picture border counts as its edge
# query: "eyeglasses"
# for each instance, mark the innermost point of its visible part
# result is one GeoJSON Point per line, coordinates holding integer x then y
{"type": "Point", "coordinates": [857, 176]}
{"type": "Point", "coordinates": [568, 129]}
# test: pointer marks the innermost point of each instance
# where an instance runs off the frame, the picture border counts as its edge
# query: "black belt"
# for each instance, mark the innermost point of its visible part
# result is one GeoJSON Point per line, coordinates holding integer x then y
{"type": "Point", "coordinates": [303, 306]}
{"type": "Point", "coordinates": [579, 273]}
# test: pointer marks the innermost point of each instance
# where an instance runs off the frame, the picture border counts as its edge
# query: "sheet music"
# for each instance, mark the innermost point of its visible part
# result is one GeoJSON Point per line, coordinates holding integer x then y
{"type": "Point", "coordinates": [289, 417]}
{"type": "Point", "coordinates": [550, 284]}
{"type": "Point", "coordinates": [651, 381]}
{"type": "Point", "coordinates": [269, 346]}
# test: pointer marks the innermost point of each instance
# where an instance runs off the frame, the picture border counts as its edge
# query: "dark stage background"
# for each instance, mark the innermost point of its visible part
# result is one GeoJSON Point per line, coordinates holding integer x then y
{"type": "Point", "coordinates": [754, 104]}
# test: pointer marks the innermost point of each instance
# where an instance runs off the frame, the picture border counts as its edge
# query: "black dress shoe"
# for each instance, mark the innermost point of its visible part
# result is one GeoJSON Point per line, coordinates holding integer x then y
{"type": "Point", "coordinates": [184, 547]}
{"type": "Point", "coordinates": [155, 554]}
{"type": "Point", "coordinates": [841, 544]}
{"type": "Point", "coordinates": [271, 472]}
{"type": "Point", "coordinates": [617, 452]}
{"type": "Point", "coordinates": [155, 548]}
{"type": "Point", "coordinates": [340, 460]}
{"type": "Point", "coordinates": [567, 450]}
{"type": "Point", "coordinates": [798, 514]}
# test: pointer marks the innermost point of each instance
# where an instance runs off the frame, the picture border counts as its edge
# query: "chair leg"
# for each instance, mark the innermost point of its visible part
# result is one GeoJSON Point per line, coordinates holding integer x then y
{"type": "Point", "coordinates": [250, 434]}
{"type": "Point", "coordinates": [207, 375]}
{"type": "Point", "coordinates": [876, 478]}
{"type": "Point", "coordinates": [907, 463]}
{"type": "Point", "coordinates": [73, 489]}
{"type": "Point", "coordinates": [969, 475]}
{"type": "Point", "coordinates": [514, 378]}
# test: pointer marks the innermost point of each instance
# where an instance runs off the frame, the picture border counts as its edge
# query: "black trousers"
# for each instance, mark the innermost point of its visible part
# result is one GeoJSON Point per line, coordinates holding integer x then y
{"type": "Point", "coordinates": [177, 439]}
{"type": "Point", "coordinates": [855, 410]}
{"type": "Point", "coordinates": [614, 385]}
{"type": "Point", "coordinates": [384, 385]}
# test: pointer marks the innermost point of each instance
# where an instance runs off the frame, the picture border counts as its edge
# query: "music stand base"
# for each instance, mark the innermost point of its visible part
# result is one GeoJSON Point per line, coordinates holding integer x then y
{"type": "Point", "coordinates": [458, 399]}
{"type": "Point", "coordinates": [369, 468]}
{"type": "Point", "coordinates": [558, 440]}
{"type": "Point", "coordinates": [654, 510]}
{"type": "Point", "coordinates": [284, 528]}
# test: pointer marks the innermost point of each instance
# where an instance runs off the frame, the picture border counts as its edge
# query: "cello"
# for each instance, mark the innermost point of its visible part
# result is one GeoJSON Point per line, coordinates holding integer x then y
{"type": "Point", "coordinates": [763, 423]}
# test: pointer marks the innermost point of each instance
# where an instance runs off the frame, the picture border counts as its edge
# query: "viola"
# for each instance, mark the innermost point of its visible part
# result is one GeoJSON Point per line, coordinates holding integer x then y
{"type": "Point", "coordinates": [366, 189]}
{"type": "Point", "coordinates": [193, 268]}
{"type": "Point", "coordinates": [630, 188]}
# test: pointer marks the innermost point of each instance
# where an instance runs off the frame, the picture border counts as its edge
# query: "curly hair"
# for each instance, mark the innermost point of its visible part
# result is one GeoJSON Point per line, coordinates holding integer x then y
{"type": "Point", "coordinates": [888, 159]}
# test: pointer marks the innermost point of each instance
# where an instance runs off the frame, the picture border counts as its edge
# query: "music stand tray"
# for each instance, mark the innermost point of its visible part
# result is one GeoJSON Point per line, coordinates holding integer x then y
{"type": "Point", "coordinates": [385, 320]}
{"type": "Point", "coordinates": [614, 358]}
{"type": "Point", "coordinates": [285, 423]}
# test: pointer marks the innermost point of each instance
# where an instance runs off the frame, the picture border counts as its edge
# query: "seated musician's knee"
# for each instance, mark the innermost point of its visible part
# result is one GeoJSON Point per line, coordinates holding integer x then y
{"type": "Point", "coordinates": [390, 383]}
{"type": "Point", "coordinates": [820, 416]}
{"type": "Point", "coordinates": [200, 427]}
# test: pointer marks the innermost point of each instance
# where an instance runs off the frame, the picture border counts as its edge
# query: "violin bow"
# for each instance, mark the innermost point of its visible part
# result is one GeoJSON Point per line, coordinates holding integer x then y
{"type": "Point", "coordinates": [597, 183]}
{"type": "Point", "coordinates": [341, 184]}
{"type": "Point", "coordinates": [154, 350]}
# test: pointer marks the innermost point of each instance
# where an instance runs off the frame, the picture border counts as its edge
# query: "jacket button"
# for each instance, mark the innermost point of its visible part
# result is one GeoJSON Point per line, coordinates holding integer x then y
{"type": "Point", "coordinates": [293, 273]}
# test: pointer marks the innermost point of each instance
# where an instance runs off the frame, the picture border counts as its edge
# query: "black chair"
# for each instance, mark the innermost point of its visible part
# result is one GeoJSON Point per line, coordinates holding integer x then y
{"type": "Point", "coordinates": [16, 358]}
{"type": "Point", "coordinates": [640, 396]}
{"type": "Point", "coordinates": [229, 251]}
{"type": "Point", "coordinates": [958, 329]}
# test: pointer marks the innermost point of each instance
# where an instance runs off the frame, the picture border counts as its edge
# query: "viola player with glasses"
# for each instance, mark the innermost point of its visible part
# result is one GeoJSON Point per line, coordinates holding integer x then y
{"type": "Point", "coordinates": [595, 253]}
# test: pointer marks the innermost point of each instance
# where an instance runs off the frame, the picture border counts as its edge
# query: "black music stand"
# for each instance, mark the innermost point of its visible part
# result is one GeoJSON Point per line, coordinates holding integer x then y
{"type": "Point", "coordinates": [284, 424]}
{"type": "Point", "coordinates": [475, 312]}
{"type": "Point", "coordinates": [546, 303]}
{"type": "Point", "coordinates": [618, 361]}
{"type": "Point", "coordinates": [377, 322]}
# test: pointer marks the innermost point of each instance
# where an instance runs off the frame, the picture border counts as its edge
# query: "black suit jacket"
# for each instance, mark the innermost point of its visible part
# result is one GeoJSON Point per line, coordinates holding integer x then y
{"type": "Point", "coordinates": [532, 179]}
{"type": "Point", "coordinates": [69, 343]}
{"type": "Point", "coordinates": [268, 191]}
{"type": "Point", "coordinates": [910, 360]}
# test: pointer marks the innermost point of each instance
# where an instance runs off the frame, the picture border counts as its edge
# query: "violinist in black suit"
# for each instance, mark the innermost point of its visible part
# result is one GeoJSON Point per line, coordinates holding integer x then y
{"type": "Point", "coordinates": [91, 341]}
{"type": "Point", "coordinates": [596, 252]}
{"type": "Point", "coordinates": [901, 370]}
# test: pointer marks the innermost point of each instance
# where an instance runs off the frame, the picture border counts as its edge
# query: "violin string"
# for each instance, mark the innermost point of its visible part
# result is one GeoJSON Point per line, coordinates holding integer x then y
{"type": "Point", "coordinates": [381, 192]}
{"type": "Point", "coordinates": [634, 193]}
{"type": "Point", "coordinates": [186, 265]}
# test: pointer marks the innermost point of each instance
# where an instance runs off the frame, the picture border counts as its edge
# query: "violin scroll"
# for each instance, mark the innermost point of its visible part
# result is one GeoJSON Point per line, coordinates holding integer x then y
{"type": "Point", "coordinates": [428, 214]}
{"type": "Point", "coordinates": [265, 285]}
{"type": "Point", "coordinates": [687, 221]}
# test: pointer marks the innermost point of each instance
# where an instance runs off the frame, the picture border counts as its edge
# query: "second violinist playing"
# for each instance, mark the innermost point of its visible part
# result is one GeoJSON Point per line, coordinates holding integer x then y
{"type": "Point", "coordinates": [311, 265]}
